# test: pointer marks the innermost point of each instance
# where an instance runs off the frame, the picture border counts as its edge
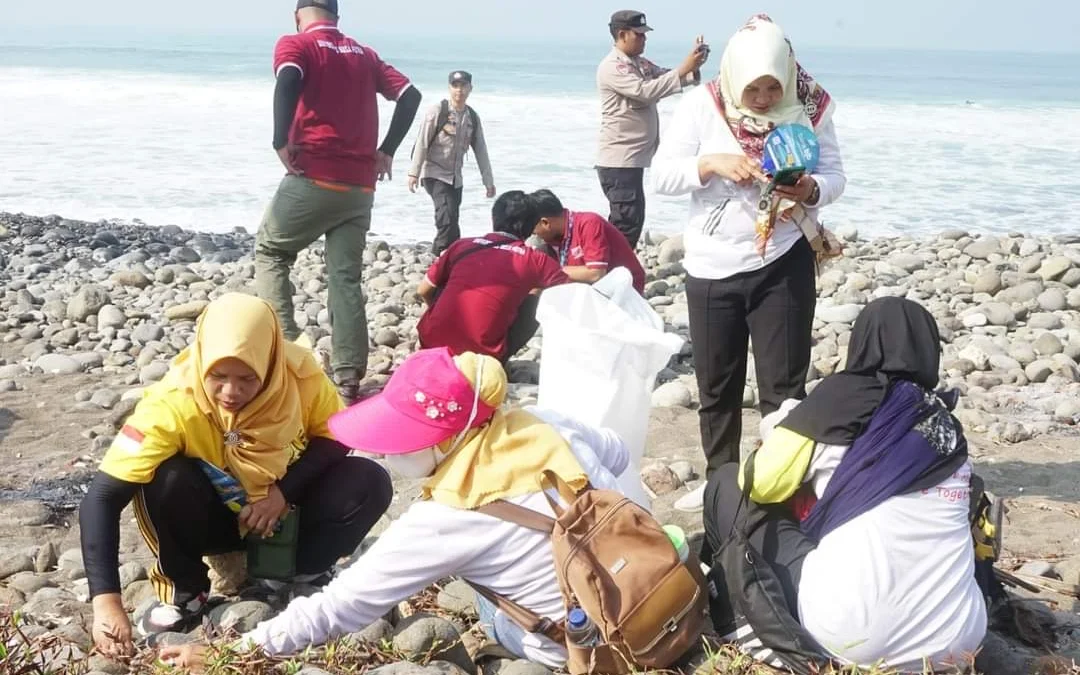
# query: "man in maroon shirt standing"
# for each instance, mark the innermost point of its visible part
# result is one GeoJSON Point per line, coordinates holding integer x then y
{"type": "Point", "coordinates": [586, 244]}
{"type": "Point", "coordinates": [326, 125]}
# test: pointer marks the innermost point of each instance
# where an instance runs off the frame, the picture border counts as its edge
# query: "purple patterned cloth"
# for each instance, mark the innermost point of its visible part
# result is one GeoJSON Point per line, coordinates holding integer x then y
{"type": "Point", "coordinates": [911, 443]}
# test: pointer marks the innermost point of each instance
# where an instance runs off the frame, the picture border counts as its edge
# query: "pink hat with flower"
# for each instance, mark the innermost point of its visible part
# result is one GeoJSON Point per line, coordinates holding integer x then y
{"type": "Point", "coordinates": [427, 401]}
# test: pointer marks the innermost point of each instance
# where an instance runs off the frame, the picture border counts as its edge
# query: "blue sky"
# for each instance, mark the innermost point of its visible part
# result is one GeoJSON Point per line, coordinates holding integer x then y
{"type": "Point", "coordinates": [1031, 25]}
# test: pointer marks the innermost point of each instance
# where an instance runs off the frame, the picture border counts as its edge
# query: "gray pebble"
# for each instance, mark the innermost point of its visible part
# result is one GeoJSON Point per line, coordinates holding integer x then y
{"type": "Point", "coordinates": [111, 316]}
{"type": "Point", "coordinates": [1037, 568]}
{"type": "Point", "coordinates": [241, 616]}
{"type": "Point", "coordinates": [58, 364]}
{"type": "Point", "coordinates": [425, 635]}
{"type": "Point", "coordinates": [1044, 321]}
{"type": "Point", "coordinates": [458, 597]}
{"type": "Point", "coordinates": [1053, 300]}
{"type": "Point", "coordinates": [1039, 371]}
{"type": "Point", "coordinates": [1048, 344]}
{"type": "Point", "coordinates": [153, 372]}
{"type": "Point", "coordinates": [376, 633]}
{"type": "Point", "coordinates": [46, 558]}
{"type": "Point", "coordinates": [145, 333]}
{"type": "Point", "coordinates": [1068, 412]}
{"type": "Point", "coordinates": [105, 398]}
{"type": "Point", "coordinates": [387, 337]}
{"type": "Point", "coordinates": [13, 562]}
{"type": "Point", "coordinates": [684, 471]}
{"type": "Point", "coordinates": [660, 479]}
{"type": "Point", "coordinates": [672, 395]}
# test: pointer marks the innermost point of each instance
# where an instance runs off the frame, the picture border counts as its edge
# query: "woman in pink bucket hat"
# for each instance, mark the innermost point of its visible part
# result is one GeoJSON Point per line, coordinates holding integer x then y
{"type": "Point", "coordinates": [439, 419]}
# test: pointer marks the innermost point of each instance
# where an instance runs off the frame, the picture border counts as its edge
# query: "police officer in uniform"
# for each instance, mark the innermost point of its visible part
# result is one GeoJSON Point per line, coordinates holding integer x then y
{"type": "Point", "coordinates": [630, 87]}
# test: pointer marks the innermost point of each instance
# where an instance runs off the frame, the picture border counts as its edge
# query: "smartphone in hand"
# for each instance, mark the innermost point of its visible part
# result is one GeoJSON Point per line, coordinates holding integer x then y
{"type": "Point", "coordinates": [788, 176]}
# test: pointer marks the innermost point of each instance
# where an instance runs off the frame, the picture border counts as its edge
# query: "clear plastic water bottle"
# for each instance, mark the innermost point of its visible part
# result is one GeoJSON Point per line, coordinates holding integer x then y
{"type": "Point", "coordinates": [580, 628]}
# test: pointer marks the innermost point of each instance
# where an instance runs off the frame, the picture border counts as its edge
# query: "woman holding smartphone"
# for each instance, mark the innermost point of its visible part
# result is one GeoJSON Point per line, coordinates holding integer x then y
{"type": "Point", "coordinates": [750, 271]}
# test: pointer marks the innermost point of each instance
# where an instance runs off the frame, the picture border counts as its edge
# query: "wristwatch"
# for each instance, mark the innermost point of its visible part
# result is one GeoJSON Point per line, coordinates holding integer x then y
{"type": "Point", "coordinates": [815, 195]}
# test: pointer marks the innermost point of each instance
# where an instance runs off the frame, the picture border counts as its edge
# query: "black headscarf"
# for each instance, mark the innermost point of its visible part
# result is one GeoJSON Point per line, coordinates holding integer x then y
{"type": "Point", "coordinates": [893, 339]}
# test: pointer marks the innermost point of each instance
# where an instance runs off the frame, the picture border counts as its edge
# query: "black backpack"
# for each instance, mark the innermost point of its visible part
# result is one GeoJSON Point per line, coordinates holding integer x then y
{"type": "Point", "coordinates": [744, 585]}
{"type": "Point", "coordinates": [443, 118]}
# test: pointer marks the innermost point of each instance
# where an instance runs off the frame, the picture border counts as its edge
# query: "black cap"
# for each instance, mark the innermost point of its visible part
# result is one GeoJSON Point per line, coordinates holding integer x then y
{"type": "Point", "coordinates": [327, 5]}
{"type": "Point", "coordinates": [630, 18]}
{"type": "Point", "coordinates": [460, 76]}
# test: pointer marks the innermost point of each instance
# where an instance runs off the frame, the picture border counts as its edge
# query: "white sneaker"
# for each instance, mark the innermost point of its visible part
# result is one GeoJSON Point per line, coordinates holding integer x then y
{"type": "Point", "coordinates": [693, 501]}
{"type": "Point", "coordinates": [163, 617]}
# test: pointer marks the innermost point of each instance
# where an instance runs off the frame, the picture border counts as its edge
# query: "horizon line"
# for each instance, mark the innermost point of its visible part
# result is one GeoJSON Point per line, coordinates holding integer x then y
{"type": "Point", "coordinates": [16, 36]}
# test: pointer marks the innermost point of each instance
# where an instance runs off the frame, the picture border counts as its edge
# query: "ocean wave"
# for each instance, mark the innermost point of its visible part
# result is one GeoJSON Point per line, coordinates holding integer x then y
{"type": "Point", "coordinates": [195, 151]}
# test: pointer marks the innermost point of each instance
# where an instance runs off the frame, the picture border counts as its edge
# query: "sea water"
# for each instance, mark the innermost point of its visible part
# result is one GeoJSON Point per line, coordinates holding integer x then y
{"type": "Point", "coordinates": [178, 132]}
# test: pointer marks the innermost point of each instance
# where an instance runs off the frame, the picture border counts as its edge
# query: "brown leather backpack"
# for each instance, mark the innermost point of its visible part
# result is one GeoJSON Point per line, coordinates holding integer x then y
{"type": "Point", "coordinates": [612, 559]}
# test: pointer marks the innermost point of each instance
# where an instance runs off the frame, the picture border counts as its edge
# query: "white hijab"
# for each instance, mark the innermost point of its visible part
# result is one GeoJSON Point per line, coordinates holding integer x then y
{"type": "Point", "coordinates": [759, 48]}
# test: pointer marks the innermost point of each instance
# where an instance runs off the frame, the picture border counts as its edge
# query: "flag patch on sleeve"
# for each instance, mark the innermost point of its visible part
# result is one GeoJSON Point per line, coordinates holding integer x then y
{"type": "Point", "coordinates": [129, 439]}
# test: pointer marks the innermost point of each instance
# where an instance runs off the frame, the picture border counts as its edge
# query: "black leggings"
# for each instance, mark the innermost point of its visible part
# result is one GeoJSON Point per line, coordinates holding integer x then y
{"type": "Point", "coordinates": [182, 519]}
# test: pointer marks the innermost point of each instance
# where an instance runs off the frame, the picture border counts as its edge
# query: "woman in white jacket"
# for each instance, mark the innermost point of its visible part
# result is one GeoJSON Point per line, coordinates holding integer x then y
{"type": "Point", "coordinates": [748, 278]}
{"type": "Point", "coordinates": [439, 417]}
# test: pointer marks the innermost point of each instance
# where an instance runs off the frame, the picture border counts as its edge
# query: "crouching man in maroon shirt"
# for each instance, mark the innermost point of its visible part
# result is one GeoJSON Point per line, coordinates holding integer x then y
{"type": "Point", "coordinates": [587, 245]}
{"type": "Point", "coordinates": [481, 292]}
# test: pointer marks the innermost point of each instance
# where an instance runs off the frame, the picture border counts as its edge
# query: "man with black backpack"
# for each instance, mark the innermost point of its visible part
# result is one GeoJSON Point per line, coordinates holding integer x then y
{"type": "Point", "coordinates": [449, 130]}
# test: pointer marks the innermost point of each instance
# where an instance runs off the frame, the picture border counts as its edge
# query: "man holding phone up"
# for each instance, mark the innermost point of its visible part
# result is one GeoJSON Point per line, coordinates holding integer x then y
{"type": "Point", "coordinates": [630, 87]}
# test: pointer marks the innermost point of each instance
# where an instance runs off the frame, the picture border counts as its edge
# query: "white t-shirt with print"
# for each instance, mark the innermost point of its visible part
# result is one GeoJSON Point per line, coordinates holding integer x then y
{"type": "Point", "coordinates": [897, 583]}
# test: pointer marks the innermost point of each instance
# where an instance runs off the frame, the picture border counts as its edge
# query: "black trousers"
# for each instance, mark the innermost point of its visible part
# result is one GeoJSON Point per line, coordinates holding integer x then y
{"type": "Point", "coordinates": [773, 307]}
{"type": "Point", "coordinates": [777, 538]}
{"type": "Point", "coordinates": [625, 192]}
{"type": "Point", "coordinates": [447, 200]}
{"type": "Point", "coordinates": [523, 328]}
{"type": "Point", "coordinates": [182, 519]}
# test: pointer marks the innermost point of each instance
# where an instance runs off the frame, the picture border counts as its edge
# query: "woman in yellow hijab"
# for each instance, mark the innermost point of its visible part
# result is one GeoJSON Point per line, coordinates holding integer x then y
{"type": "Point", "coordinates": [440, 420]}
{"type": "Point", "coordinates": [233, 436]}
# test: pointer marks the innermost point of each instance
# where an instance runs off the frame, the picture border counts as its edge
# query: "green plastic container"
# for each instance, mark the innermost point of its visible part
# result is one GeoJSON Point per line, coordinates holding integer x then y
{"type": "Point", "coordinates": [678, 540]}
{"type": "Point", "coordinates": [275, 557]}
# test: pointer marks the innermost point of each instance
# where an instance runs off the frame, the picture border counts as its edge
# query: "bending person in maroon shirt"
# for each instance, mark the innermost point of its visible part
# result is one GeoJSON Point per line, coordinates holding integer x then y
{"type": "Point", "coordinates": [482, 292]}
{"type": "Point", "coordinates": [326, 128]}
{"type": "Point", "coordinates": [586, 244]}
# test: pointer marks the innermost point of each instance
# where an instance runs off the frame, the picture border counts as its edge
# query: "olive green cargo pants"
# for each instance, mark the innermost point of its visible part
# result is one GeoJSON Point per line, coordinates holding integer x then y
{"type": "Point", "coordinates": [301, 211]}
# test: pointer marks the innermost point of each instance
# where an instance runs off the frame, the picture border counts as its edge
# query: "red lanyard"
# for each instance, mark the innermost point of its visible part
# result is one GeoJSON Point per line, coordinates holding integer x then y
{"type": "Point", "coordinates": [564, 250]}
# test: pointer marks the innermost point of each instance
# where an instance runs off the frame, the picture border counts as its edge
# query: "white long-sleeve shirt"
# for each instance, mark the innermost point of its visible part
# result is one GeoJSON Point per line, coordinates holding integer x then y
{"type": "Point", "coordinates": [896, 584]}
{"type": "Point", "coordinates": [431, 541]}
{"type": "Point", "coordinates": [719, 236]}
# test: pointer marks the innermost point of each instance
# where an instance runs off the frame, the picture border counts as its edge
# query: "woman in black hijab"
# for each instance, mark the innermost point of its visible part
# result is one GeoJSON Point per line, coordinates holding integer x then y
{"type": "Point", "coordinates": [878, 562]}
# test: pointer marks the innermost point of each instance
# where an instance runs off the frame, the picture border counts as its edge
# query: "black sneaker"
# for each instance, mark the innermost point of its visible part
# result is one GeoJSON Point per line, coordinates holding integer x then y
{"type": "Point", "coordinates": [354, 391]}
{"type": "Point", "coordinates": [349, 391]}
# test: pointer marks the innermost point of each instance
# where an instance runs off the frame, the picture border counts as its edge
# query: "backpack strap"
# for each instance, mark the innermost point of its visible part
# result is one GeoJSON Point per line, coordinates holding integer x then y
{"type": "Point", "coordinates": [455, 261]}
{"type": "Point", "coordinates": [519, 515]}
{"type": "Point", "coordinates": [551, 480]}
{"type": "Point", "coordinates": [527, 619]}
{"type": "Point", "coordinates": [440, 121]}
{"type": "Point", "coordinates": [475, 119]}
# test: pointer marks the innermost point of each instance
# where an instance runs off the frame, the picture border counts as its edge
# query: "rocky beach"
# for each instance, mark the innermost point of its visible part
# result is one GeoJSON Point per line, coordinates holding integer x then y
{"type": "Point", "coordinates": [91, 313]}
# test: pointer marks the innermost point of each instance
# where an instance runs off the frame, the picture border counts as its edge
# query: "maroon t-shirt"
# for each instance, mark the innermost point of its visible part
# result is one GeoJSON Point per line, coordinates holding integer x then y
{"type": "Point", "coordinates": [336, 127]}
{"type": "Point", "coordinates": [480, 296]}
{"type": "Point", "coordinates": [591, 241]}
